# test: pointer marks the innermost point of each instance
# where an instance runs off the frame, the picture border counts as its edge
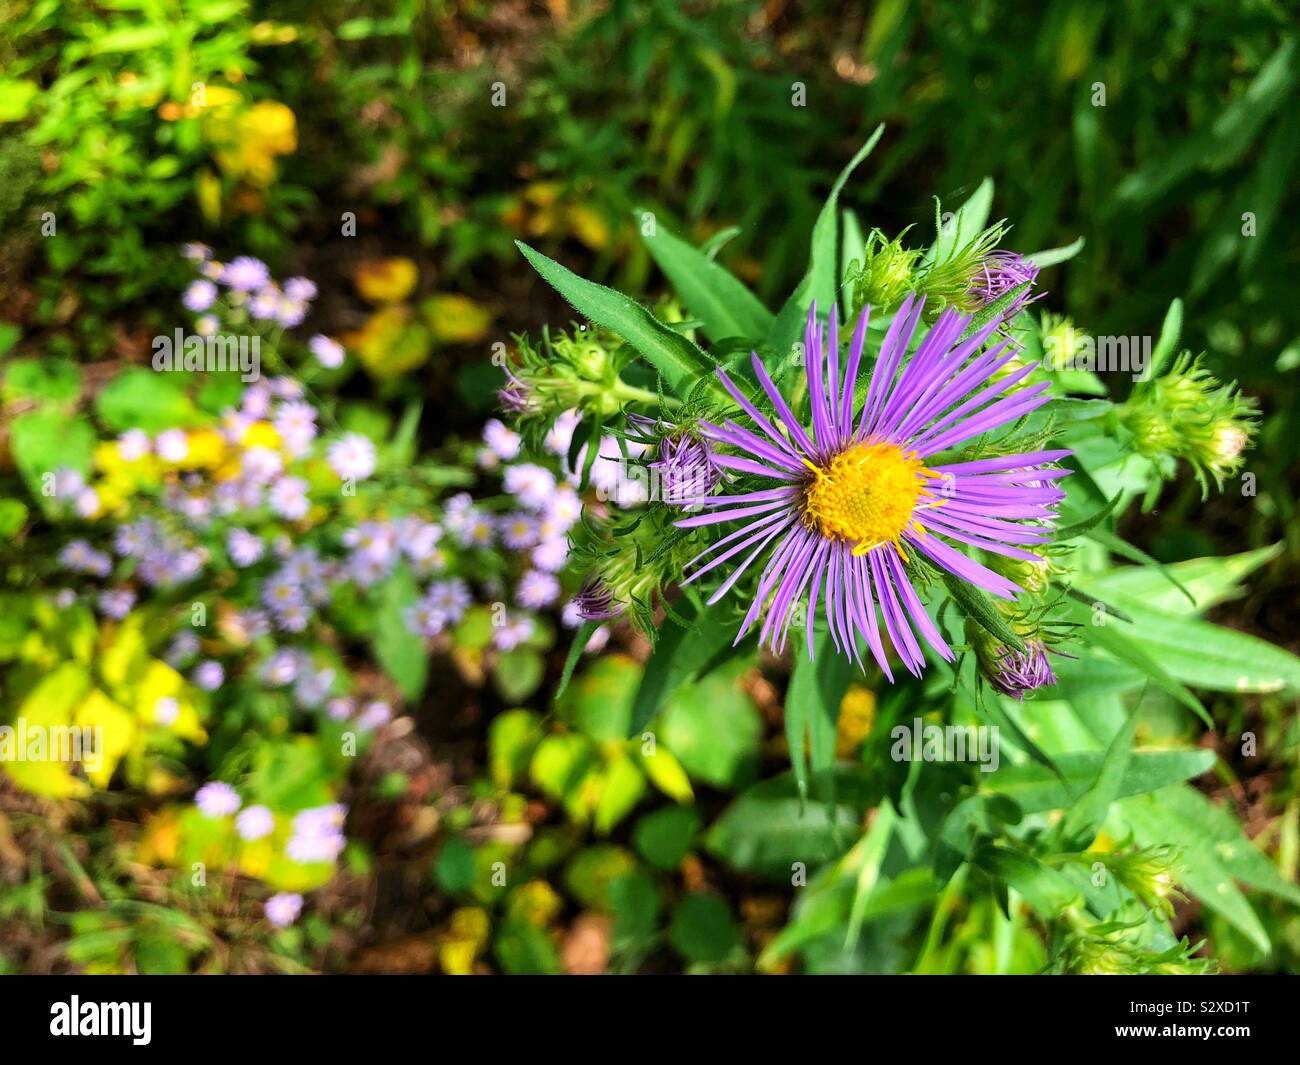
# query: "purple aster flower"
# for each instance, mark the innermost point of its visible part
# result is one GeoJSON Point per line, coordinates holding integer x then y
{"type": "Point", "coordinates": [451, 597]}
{"type": "Point", "coordinates": [559, 438]}
{"type": "Point", "coordinates": [184, 647]}
{"type": "Point", "coordinates": [375, 715]}
{"type": "Point", "coordinates": [245, 274]}
{"type": "Point", "coordinates": [289, 313]}
{"type": "Point", "coordinates": [1017, 672]}
{"type": "Point", "coordinates": [283, 909]}
{"type": "Point", "coordinates": [505, 443]}
{"type": "Point", "coordinates": [196, 252]}
{"type": "Point", "coordinates": [848, 505]}
{"type": "Point", "coordinates": [302, 289]}
{"type": "Point", "coordinates": [533, 484]}
{"type": "Point", "coordinates": [206, 325]}
{"type": "Point", "coordinates": [296, 423]}
{"type": "Point", "coordinates": [595, 601]}
{"type": "Point", "coordinates": [80, 557]}
{"type": "Point", "coordinates": [254, 822]}
{"type": "Point", "coordinates": [166, 711]}
{"type": "Point", "coordinates": [1000, 272]}
{"type": "Point", "coordinates": [172, 446]}
{"type": "Point", "coordinates": [313, 687]}
{"type": "Point", "coordinates": [419, 540]}
{"type": "Point", "coordinates": [245, 549]}
{"type": "Point", "coordinates": [289, 498]}
{"type": "Point", "coordinates": [352, 456]}
{"type": "Point", "coordinates": [201, 295]}
{"type": "Point", "coordinates": [425, 620]}
{"type": "Point", "coordinates": [519, 531]}
{"type": "Point", "coordinates": [340, 708]}
{"type": "Point", "coordinates": [562, 512]}
{"type": "Point", "coordinates": [537, 589]}
{"type": "Point", "coordinates": [133, 444]}
{"type": "Point", "coordinates": [514, 632]}
{"type": "Point", "coordinates": [116, 604]}
{"type": "Point", "coordinates": [551, 555]}
{"type": "Point", "coordinates": [209, 675]}
{"type": "Point", "coordinates": [685, 470]}
{"type": "Point", "coordinates": [217, 799]}
{"type": "Point", "coordinates": [281, 668]}
{"type": "Point", "coordinates": [329, 353]}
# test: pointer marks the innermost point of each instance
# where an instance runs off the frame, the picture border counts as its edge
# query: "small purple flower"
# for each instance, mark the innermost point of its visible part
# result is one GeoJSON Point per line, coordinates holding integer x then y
{"type": "Point", "coordinates": [537, 589]}
{"type": "Point", "coordinates": [196, 252]}
{"type": "Point", "coordinates": [329, 353]}
{"type": "Point", "coordinates": [505, 443]}
{"type": "Point", "coordinates": [375, 715]}
{"type": "Point", "coordinates": [595, 601]}
{"type": "Point", "coordinates": [245, 274]}
{"type": "Point", "coordinates": [302, 289]}
{"type": "Point", "coordinates": [244, 548]}
{"type": "Point", "coordinates": [184, 647]}
{"type": "Point", "coordinates": [80, 557]}
{"type": "Point", "coordinates": [519, 531]}
{"type": "Point", "coordinates": [313, 687]}
{"type": "Point", "coordinates": [551, 555]}
{"type": "Point", "coordinates": [533, 484]}
{"type": "Point", "coordinates": [296, 423]}
{"type": "Point", "coordinates": [264, 305]}
{"type": "Point", "coordinates": [1002, 271]}
{"type": "Point", "coordinates": [209, 675]}
{"type": "Point", "coordinates": [283, 909]}
{"type": "Point", "coordinates": [281, 668]}
{"type": "Point", "coordinates": [254, 822]}
{"type": "Point", "coordinates": [340, 708]}
{"type": "Point", "coordinates": [133, 444]}
{"type": "Point", "coordinates": [451, 597]}
{"type": "Point", "coordinates": [217, 799]}
{"type": "Point", "coordinates": [425, 620]}
{"type": "Point", "coordinates": [560, 437]}
{"type": "Point", "coordinates": [514, 632]}
{"type": "Point", "coordinates": [166, 711]}
{"type": "Point", "coordinates": [201, 295]}
{"type": "Point", "coordinates": [289, 498]}
{"type": "Point", "coordinates": [686, 470]}
{"type": "Point", "coordinates": [116, 604]}
{"type": "Point", "coordinates": [1017, 672]}
{"type": "Point", "coordinates": [289, 313]}
{"type": "Point", "coordinates": [562, 511]}
{"type": "Point", "coordinates": [352, 456]}
{"type": "Point", "coordinates": [172, 446]}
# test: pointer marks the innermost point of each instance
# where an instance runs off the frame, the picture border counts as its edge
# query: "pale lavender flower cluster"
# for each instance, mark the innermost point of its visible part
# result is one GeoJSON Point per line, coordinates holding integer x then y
{"type": "Point", "coordinates": [249, 284]}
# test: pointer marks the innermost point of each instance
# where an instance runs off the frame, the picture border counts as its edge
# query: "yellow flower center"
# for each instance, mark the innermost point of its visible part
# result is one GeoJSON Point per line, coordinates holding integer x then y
{"type": "Point", "coordinates": [866, 494]}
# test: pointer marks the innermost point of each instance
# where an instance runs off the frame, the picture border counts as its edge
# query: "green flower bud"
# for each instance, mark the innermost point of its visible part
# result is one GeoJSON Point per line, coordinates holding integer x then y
{"type": "Point", "coordinates": [886, 273]}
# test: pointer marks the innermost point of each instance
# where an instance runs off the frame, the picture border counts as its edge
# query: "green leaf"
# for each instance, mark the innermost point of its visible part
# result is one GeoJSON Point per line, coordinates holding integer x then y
{"type": "Point", "coordinates": [1210, 581]}
{"type": "Point", "coordinates": [1069, 532]}
{"type": "Point", "coordinates": [665, 837]}
{"type": "Point", "coordinates": [702, 929]}
{"type": "Point", "coordinates": [979, 607]}
{"type": "Point", "coordinates": [1122, 641]}
{"type": "Point", "coordinates": [523, 949]}
{"type": "Point", "coordinates": [715, 730]}
{"type": "Point", "coordinates": [580, 640]}
{"type": "Point", "coordinates": [680, 654]}
{"type": "Point", "coordinates": [1084, 818]}
{"type": "Point", "coordinates": [820, 283]}
{"type": "Point", "coordinates": [1168, 342]}
{"type": "Point", "coordinates": [1053, 256]}
{"type": "Point", "coordinates": [518, 673]}
{"type": "Point", "coordinates": [1046, 890]}
{"type": "Point", "coordinates": [599, 702]}
{"type": "Point", "coordinates": [1153, 823]}
{"type": "Point", "coordinates": [812, 711]}
{"type": "Point", "coordinates": [512, 739]}
{"type": "Point", "coordinates": [768, 829]}
{"type": "Point", "coordinates": [395, 646]}
{"type": "Point", "coordinates": [680, 362]}
{"type": "Point", "coordinates": [725, 306]}
{"type": "Point", "coordinates": [43, 441]}
{"type": "Point", "coordinates": [1122, 547]}
{"type": "Point", "coordinates": [142, 399]}
{"type": "Point", "coordinates": [1036, 789]}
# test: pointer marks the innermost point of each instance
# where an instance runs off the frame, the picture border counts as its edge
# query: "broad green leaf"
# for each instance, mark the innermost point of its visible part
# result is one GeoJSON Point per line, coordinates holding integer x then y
{"type": "Point", "coordinates": [712, 294]}
{"type": "Point", "coordinates": [680, 362]}
{"type": "Point", "coordinates": [1210, 581]}
{"type": "Point", "coordinates": [714, 729]}
{"type": "Point", "coordinates": [1036, 789]}
{"type": "Point", "coordinates": [599, 701]}
{"type": "Point", "coordinates": [680, 654]}
{"type": "Point", "coordinates": [812, 710]}
{"type": "Point", "coordinates": [396, 647]}
{"type": "Point", "coordinates": [1153, 823]}
{"type": "Point", "coordinates": [1046, 890]}
{"type": "Point", "coordinates": [1084, 818]}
